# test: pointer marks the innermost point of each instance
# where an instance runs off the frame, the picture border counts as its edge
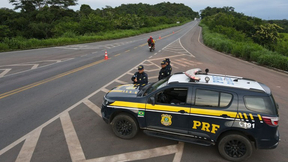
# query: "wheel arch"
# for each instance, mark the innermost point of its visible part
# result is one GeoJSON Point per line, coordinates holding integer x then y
{"type": "Point", "coordinates": [235, 131]}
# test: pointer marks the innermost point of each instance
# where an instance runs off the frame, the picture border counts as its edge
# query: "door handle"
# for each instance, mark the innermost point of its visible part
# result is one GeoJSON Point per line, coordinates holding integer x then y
{"type": "Point", "coordinates": [224, 116]}
{"type": "Point", "coordinates": [182, 111]}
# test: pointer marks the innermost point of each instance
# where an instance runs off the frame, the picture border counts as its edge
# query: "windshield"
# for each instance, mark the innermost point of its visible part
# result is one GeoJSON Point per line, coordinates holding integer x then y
{"type": "Point", "coordinates": [156, 85]}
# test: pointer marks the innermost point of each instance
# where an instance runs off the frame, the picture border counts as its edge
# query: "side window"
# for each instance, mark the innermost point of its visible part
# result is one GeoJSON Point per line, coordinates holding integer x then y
{"type": "Point", "coordinates": [172, 96]}
{"type": "Point", "coordinates": [225, 99]}
{"type": "Point", "coordinates": [207, 98]}
{"type": "Point", "coordinates": [259, 104]}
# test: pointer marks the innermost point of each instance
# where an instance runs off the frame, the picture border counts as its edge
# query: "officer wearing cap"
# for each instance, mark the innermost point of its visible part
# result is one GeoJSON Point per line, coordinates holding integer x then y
{"type": "Point", "coordinates": [168, 66]}
{"type": "Point", "coordinates": [140, 77]}
{"type": "Point", "coordinates": [164, 72]}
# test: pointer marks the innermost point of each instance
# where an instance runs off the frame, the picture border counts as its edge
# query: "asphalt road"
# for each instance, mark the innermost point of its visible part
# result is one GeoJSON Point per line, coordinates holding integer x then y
{"type": "Point", "coordinates": [50, 98]}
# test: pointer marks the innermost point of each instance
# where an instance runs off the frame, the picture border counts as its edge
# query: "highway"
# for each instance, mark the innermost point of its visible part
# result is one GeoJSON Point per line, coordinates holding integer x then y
{"type": "Point", "coordinates": [50, 98]}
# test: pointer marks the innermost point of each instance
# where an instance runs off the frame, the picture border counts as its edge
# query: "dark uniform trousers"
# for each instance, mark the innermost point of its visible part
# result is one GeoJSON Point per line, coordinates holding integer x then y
{"type": "Point", "coordinates": [142, 78]}
{"type": "Point", "coordinates": [163, 73]}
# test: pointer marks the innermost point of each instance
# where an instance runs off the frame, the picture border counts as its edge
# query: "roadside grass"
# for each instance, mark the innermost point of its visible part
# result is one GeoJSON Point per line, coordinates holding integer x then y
{"type": "Point", "coordinates": [247, 50]}
{"type": "Point", "coordinates": [68, 38]}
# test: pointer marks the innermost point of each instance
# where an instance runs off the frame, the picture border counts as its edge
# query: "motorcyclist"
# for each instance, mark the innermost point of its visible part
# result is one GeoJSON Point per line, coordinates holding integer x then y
{"type": "Point", "coordinates": [151, 42]}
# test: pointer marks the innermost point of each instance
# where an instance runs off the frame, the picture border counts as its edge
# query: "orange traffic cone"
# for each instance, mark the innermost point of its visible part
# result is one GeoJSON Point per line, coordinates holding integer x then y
{"type": "Point", "coordinates": [159, 37]}
{"type": "Point", "coordinates": [106, 55]}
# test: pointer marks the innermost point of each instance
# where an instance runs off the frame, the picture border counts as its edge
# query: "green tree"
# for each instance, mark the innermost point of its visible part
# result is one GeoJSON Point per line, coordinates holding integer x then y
{"type": "Point", "coordinates": [267, 35]}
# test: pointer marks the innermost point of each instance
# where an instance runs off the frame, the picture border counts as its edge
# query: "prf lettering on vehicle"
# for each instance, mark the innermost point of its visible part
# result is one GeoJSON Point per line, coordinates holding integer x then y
{"type": "Point", "coordinates": [204, 126]}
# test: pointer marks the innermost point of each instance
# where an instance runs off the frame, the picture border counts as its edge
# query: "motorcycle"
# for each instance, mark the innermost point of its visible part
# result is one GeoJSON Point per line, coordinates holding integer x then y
{"type": "Point", "coordinates": [151, 47]}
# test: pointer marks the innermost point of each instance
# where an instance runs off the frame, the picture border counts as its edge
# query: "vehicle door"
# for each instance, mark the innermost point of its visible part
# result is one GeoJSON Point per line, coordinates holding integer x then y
{"type": "Point", "coordinates": [168, 109]}
{"type": "Point", "coordinates": [213, 111]}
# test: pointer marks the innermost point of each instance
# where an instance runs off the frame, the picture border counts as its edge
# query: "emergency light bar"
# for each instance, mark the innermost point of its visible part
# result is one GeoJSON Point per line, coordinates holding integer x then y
{"type": "Point", "coordinates": [192, 74]}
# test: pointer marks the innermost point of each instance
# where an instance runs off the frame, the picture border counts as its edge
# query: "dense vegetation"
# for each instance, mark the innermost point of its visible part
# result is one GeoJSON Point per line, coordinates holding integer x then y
{"type": "Point", "coordinates": [247, 37]}
{"type": "Point", "coordinates": [43, 23]}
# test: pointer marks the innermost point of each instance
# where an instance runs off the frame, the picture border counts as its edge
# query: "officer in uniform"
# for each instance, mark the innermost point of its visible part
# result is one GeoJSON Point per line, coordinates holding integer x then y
{"type": "Point", "coordinates": [164, 72]}
{"type": "Point", "coordinates": [169, 67]}
{"type": "Point", "coordinates": [140, 77]}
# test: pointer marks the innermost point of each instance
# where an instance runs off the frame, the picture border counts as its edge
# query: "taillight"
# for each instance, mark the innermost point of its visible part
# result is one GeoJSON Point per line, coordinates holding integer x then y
{"type": "Point", "coordinates": [272, 121]}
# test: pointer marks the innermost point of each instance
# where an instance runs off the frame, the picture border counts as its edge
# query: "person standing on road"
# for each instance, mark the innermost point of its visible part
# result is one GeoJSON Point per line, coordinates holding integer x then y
{"type": "Point", "coordinates": [140, 77]}
{"type": "Point", "coordinates": [169, 67]}
{"type": "Point", "coordinates": [164, 72]}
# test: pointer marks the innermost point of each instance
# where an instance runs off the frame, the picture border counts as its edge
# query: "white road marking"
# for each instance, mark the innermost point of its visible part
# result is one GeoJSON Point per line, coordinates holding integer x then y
{"type": "Point", "coordinates": [175, 62]}
{"type": "Point", "coordinates": [153, 77]}
{"type": "Point", "coordinates": [185, 49]}
{"type": "Point", "coordinates": [60, 114]}
{"type": "Point", "coordinates": [92, 106]}
{"type": "Point", "coordinates": [105, 90]}
{"type": "Point", "coordinates": [121, 82]}
{"type": "Point", "coordinates": [179, 153]}
{"type": "Point", "coordinates": [132, 69]}
{"type": "Point", "coordinates": [4, 72]}
{"type": "Point", "coordinates": [168, 57]}
{"type": "Point", "coordinates": [35, 66]}
{"type": "Point", "coordinates": [138, 155]}
{"type": "Point", "coordinates": [74, 146]}
{"type": "Point", "coordinates": [28, 147]}
{"type": "Point", "coordinates": [152, 70]}
{"type": "Point", "coordinates": [182, 62]}
{"type": "Point", "coordinates": [150, 57]}
{"type": "Point", "coordinates": [155, 53]}
{"type": "Point", "coordinates": [173, 66]}
{"type": "Point", "coordinates": [154, 64]}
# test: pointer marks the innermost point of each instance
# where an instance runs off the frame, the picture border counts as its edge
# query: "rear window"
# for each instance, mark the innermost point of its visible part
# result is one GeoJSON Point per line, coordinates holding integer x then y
{"type": "Point", "coordinates": [260, 104]}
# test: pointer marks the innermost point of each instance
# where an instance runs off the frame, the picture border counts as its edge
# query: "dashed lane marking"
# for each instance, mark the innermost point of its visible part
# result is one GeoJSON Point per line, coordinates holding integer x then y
{"type": "Point", "coordinates": [15, 91]}
{"type": "Point", "coordinates": [26, 136]}
{"type": "Point", "coordinates": [74, 146]}
{"type": "Point", "coordinates": [127, 50]}
{"type": "Point", "coordinates": [150, 57]}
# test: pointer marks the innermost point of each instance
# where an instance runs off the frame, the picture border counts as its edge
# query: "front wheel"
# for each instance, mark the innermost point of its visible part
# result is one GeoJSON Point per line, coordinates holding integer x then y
{"type": "Point", "coordinates": [235, 147]}
{"type": "Point", "coordinates": [151, 49]}
{"type": "Point", "coordinates": [124, 126]}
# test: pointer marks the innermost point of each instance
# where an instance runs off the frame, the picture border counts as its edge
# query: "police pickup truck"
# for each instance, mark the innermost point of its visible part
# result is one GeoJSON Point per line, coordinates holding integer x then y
{"type": "Point", "coordinates": [235, 113]}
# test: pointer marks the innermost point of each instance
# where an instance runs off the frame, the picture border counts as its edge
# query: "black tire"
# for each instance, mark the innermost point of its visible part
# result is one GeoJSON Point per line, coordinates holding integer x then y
{"type": "Point", "coordinates": [235, 147]}
{"type": "Point", "coordinates": [151, 49]}
{"type": "Point", "coordinates": [124, 126]}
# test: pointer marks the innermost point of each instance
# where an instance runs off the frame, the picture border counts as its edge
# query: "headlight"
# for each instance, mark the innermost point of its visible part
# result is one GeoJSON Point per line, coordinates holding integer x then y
{"type": "Point", "coordinates": [107, 101]}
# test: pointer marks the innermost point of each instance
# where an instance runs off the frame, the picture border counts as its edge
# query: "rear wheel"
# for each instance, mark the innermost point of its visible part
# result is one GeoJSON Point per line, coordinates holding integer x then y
{"type": "Point", "coordinates": [235, 147]}
{"type": "Point", "coordinates": [124, 126]}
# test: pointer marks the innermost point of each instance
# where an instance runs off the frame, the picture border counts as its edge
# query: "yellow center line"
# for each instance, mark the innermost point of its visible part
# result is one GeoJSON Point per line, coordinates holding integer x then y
{"type": "Point", "coordinates": [127, 51]}
{"type": "Point", "coordinates": [9, 93]}
{"type": "Point", "coordinates": [117, 54]}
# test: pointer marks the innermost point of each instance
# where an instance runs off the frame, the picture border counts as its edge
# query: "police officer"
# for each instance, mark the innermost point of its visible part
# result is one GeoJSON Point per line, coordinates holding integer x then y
{"type": "Point", "coordinates": [169, 67]}
{"type": "Point", "coordinates": [164, 72]}
{"type": "Point", "coordinates": [140, 77]}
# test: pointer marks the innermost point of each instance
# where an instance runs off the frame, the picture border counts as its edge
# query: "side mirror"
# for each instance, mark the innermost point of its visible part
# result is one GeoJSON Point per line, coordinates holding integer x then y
{"type": "Point", "coordinates": [152, 100]}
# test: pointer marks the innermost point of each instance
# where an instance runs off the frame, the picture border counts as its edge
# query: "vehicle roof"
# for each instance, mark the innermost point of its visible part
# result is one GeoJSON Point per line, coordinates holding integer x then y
{"type": "Point", "coordinates": [218, 80]}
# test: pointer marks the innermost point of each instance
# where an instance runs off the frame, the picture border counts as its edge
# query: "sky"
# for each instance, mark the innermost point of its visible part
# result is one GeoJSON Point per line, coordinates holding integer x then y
{"type": "Point", "coordinates": [264, 9]}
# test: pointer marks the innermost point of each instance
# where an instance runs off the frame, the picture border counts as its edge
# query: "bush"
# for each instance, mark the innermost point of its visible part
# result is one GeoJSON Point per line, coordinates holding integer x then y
{"type": "Point", "coordinates": [3, 47]}
{"type": "Point", "coordinates": [247, 50]}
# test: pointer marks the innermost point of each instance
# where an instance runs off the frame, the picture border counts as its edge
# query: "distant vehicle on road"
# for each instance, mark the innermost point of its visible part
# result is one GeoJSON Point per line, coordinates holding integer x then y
{"type": "Point", "coordinates": [234, 113]}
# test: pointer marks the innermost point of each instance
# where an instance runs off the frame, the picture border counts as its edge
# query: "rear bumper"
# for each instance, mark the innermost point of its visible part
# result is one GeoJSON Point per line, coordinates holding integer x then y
{"type": "Point", "coordinates": [269, 143]}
